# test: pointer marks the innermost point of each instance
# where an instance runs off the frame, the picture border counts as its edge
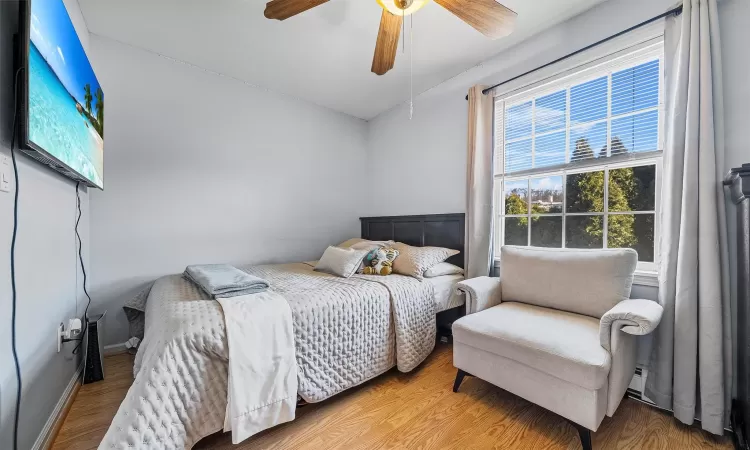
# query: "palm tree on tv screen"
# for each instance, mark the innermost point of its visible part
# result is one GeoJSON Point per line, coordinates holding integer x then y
{"type": "Point", "coordinates": [100, 110]}
{"type": "Point", "coordinates": [87, 97]}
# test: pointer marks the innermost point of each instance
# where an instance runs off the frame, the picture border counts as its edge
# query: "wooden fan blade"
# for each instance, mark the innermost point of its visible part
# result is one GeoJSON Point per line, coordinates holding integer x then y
{"type": "Point", "coordinates": [387, 43]}
{"type": "Point", "coordinates": [284, 9]}
{"type": "Point", "coordinates": [486, 16]}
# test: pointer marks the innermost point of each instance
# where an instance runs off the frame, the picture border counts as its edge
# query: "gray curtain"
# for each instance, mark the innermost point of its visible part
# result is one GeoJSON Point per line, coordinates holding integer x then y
{"type": "Point", "coordinates": [479, 226]}
{"type": "Point", "coordinates": [690, 368]}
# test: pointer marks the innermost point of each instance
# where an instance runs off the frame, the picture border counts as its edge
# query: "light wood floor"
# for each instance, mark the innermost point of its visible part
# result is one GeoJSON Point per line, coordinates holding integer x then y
{"type": "Point", "coordinates": [416, 410]}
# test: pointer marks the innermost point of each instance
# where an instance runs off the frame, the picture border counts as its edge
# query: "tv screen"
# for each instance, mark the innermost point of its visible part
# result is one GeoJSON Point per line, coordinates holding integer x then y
{"type": "Point", "coordinates": [64, 124]}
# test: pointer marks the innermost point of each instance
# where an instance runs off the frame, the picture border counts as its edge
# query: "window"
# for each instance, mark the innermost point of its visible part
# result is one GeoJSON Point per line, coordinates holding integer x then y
{"type": "Point", "coordinates": [578, 158]}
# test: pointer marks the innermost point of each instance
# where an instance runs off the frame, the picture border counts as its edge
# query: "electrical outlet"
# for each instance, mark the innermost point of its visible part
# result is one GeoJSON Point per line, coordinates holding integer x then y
{"type": "Point", "coordinates": [60, 331]}
{"type": "Point", "coordinates": [72, 333]}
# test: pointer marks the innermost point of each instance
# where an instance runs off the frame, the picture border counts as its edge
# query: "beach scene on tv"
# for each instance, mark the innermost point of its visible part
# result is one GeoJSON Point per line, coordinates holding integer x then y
{"type": "Point", "coordinates": [66, 102]}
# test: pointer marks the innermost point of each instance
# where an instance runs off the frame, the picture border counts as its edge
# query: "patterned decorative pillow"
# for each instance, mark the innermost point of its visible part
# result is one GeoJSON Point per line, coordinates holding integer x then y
{"type": "Point", "coordinates": [413, 261]}
{"type": "Point", "coordinates": [380, 261]}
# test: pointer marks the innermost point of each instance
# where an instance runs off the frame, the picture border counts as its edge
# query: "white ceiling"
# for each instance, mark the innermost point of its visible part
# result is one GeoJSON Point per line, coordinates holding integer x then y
{"type": "Point", "coordinates": [322, 55]}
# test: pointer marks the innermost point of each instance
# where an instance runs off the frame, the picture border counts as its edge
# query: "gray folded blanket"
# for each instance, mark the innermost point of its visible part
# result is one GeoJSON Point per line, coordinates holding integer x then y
{"type": "Point", "coordinates": [223, 280]}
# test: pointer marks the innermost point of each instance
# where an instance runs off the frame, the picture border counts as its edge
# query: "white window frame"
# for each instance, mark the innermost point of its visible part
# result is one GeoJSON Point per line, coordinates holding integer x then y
{"type": "Point", "coordinates": [617, 59]}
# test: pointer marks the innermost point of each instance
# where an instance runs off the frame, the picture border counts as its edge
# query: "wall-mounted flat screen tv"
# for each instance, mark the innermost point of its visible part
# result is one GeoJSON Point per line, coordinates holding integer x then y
{"type": "Point", "coordinates": [62, 102]}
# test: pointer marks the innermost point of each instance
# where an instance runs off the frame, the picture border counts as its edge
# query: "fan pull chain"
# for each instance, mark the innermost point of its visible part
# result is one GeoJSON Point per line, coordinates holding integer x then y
{"type": "Point", "coordinates": [411, 66]}
{"type": "Point", "coordinates": [403, 31]}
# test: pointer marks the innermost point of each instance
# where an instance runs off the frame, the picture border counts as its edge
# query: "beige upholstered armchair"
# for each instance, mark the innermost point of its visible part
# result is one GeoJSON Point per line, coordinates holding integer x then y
{"type": "Point", "coordinates": [557, 328]}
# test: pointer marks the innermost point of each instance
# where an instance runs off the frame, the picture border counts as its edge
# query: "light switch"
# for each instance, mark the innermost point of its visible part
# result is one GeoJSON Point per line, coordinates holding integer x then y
{"type": "Point", "coordinates": [4, 173]}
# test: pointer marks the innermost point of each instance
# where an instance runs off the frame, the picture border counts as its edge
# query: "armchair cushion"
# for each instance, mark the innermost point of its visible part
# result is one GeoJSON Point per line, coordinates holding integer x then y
{"type": "Point", "coordinates": [558, 343]}
{"type": "Point", "coordinates": [637, 317]}
{"type": "Point", "coordinates": [481, 293]}
{"type": "Point", "coordinates": [588, 282]}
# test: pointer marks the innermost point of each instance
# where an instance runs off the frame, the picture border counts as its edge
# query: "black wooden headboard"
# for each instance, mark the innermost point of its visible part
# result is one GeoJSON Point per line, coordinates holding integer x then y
{"type": "Point", "coordinates": [435, 230]}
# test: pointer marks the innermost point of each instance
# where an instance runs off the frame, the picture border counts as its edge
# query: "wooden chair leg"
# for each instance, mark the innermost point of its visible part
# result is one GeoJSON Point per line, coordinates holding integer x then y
{"type": "Point", "coordinates": [585, 435]}
{"type": "Point", "coordinates": [459, 378]}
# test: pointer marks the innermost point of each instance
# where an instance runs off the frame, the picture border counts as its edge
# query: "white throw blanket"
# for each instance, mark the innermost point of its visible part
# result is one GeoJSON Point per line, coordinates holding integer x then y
{"type": "Point", "coordinates": [262, 390]}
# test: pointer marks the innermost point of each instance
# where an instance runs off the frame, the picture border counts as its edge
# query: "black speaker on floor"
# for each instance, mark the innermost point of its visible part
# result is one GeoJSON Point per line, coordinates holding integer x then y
{"type": "Point", "coordinates": [93, 370]}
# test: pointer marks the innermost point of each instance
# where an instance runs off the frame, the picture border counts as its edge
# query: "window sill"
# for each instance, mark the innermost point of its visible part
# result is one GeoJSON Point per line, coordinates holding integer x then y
{"type": "Point", "coordinates": [646, 278]}
{"type": "Point", "coordinates": [641, 277]}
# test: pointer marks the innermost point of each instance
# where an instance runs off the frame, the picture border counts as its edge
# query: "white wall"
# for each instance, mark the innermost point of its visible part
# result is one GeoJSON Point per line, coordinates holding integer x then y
{"type": "Point", "coordinates": [202, 168]}
{"type": "Point", "coordinates": [418, 166]}
{"type": "Point", "coordinates": [734, 18]}
{"type": "Point", "coordinates": [48, 281]}
{"type": "Point", "coordinates": [423, 160]}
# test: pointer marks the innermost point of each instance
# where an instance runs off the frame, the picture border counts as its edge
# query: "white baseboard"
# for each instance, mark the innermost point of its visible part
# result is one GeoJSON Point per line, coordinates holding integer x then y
{"type": "Point", "coordinates": [115, 349]}
{"type": "Point", "coordinates": [48, 433]}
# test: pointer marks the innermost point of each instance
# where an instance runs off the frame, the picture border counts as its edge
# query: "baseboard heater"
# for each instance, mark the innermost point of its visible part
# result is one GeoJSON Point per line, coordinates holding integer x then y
{"type": "Point", "coordinates": [638, 386]}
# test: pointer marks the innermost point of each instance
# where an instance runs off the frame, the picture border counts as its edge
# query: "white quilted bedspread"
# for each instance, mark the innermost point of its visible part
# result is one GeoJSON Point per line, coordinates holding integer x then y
{"type": "Point", "coordinates": [346, 332]}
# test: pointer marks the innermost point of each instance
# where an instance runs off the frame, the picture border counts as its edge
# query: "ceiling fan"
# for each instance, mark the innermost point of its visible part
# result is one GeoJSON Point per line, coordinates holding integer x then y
{"type": "Point", "coordinates": [486, 16]}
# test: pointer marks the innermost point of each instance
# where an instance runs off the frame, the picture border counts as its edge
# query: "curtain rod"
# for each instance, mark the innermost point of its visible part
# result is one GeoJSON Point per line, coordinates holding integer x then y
{"type": "Point", "coordinates": [676, 11]}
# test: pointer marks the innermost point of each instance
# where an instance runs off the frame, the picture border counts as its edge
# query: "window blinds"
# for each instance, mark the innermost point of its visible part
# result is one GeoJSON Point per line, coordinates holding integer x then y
{"type": "Point", "coordinates": [603, 112]}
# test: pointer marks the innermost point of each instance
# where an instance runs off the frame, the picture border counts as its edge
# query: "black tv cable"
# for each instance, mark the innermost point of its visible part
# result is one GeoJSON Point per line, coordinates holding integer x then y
{"type": "Point", "coordinates": [19, 389]}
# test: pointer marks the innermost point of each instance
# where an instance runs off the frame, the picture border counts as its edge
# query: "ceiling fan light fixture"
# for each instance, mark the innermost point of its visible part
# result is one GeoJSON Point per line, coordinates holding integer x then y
{"type": "Point", "coordinates": [402, 7]}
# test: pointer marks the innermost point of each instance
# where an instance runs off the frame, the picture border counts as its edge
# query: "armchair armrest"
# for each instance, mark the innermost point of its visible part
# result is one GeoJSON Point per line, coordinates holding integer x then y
{"type": "Point", "coordinates": [636, 316]}
{"type": "Point", "coordinates": [481, 293]}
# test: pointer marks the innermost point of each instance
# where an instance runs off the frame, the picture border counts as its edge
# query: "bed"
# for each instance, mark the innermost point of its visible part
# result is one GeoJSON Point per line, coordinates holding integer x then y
{"type": "Point", "coordinates": [346, 331]}
{"type": "Point", "coordinates": [437, 230]}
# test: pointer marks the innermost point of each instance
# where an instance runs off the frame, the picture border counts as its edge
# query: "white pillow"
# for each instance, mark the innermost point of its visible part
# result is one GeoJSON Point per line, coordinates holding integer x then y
{"type": "Point", "coordinates": [443, 269]}
{"type": "Point", "coordinates": [342, 262]}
